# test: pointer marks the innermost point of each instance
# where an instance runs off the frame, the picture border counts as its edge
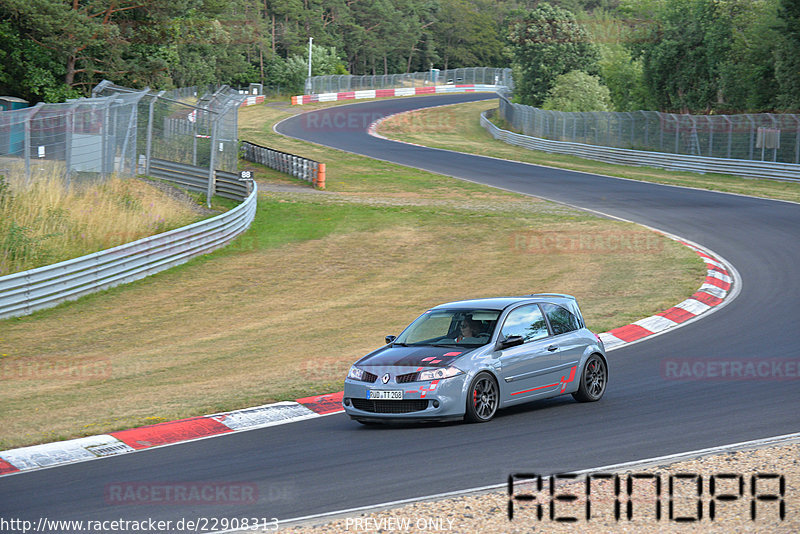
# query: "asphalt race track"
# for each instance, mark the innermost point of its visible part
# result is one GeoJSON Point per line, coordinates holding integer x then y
{"type": "Point", "coordinates": [331, 463]}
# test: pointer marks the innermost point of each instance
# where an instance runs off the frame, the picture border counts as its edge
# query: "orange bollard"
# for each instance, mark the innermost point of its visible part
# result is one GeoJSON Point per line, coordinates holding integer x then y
{"type": "Point", "coordinates": [320, 181]}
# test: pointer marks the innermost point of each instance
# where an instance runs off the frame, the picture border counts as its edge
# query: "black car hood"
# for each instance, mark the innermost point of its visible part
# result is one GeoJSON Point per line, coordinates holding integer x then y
{"type": "Point", "coordinates": [421, 356]}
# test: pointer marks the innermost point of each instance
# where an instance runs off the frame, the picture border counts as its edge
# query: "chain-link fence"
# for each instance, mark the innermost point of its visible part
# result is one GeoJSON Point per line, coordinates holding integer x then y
{"type": "Point", "coordinates": [471, 75]}
{"type": "Point", "coordinates": [194, 125]}
{"type": "Point", "coordinates": [762, 137]}
{"type": "Point", "coordinates": [81, 138]}
{"type": "Point", "coordinates": [118, 131]}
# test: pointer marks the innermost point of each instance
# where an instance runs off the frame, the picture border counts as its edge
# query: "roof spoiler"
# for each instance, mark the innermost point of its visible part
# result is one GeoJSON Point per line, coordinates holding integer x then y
{"type": "Point", "coordinates": [560, 295]}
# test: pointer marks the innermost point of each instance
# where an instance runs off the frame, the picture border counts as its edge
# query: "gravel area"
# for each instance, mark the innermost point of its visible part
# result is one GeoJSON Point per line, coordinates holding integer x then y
{"type": "Point", "coordinates": [489, 512]}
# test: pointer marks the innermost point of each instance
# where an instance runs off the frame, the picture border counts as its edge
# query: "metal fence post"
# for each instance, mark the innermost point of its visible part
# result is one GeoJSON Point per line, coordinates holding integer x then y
{"type": "Point", "coordinates": [730, 134]}
{"type": "Point", "coordinates": [148, 152]}
{"type": "Point", "coordinates": [212, 163]}
{"type": "Point", "coordinates": [797, 140]}
{"type": "Point", "coordinates": [104, 142]}
{"type": "Point", "coordinates": [70, 127]}
{"type": "Point", "coordinates": [27, 148]}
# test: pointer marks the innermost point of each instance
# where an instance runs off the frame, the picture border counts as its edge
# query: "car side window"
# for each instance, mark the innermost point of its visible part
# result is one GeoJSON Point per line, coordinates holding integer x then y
{"type": "Point", "coordinates": [561, 319]}
{"type": "Point", "coordinates": [526, 321]}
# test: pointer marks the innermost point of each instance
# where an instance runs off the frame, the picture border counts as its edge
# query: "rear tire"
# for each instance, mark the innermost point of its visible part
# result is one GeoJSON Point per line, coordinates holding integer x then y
{"type": "Point", "coordinates": [483, 397]}
{"type": "Point", "coordinates": [594, 379]}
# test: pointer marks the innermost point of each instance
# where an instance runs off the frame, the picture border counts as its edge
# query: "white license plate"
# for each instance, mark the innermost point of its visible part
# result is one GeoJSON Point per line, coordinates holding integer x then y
{"type": "Point", "coordinates": [381, 394]}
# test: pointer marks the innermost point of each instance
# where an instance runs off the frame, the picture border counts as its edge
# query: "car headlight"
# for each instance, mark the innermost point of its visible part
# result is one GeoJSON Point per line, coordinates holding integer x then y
{"type": "Point", "coordinates": [355, 373]}
{"type": "Point", "coordinates": [439, 374]}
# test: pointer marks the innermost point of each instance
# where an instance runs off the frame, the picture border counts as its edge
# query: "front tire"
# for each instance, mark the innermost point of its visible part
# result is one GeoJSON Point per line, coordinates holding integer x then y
{"type": "Point", "coordinates": [594, 379]}
{"type": "Point", "coordinates": [483, 397]}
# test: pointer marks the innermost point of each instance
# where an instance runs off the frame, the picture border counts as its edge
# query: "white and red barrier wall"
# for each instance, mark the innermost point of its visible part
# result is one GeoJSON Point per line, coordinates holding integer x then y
{"type": "Point", "coordinates": [400, 91]}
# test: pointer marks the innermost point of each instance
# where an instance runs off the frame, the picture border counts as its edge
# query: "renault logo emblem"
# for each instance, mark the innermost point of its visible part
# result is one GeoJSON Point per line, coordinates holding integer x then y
{"type": "Point", "coordinates": [385, 378]}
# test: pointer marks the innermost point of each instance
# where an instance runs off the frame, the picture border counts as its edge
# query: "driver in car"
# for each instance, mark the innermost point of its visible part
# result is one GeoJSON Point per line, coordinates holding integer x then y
{"type": "Point", "coordinates": [470, 329]}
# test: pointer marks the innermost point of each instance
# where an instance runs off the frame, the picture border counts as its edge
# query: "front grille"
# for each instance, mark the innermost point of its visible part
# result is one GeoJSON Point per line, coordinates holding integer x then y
{"type": "Point", "coordinates": [403, 379]}
{"type": "Point", "coordinates": [390, 406]}
{"type": "Point", "coordinates": [368, 377]}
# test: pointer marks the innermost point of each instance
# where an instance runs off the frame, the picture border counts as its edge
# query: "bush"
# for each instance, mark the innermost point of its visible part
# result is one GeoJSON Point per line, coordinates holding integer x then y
{"type": "Point", "coordinates": [578, 91]}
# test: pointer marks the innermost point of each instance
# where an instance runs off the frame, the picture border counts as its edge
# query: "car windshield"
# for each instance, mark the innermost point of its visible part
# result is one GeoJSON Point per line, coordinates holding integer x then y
{"type": "Point", "coordinates": [451, 327]}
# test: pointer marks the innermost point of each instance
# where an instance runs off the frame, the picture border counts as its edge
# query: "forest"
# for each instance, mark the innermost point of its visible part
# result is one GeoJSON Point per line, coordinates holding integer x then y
{"type": "Point", "coordinates": [701, 56]}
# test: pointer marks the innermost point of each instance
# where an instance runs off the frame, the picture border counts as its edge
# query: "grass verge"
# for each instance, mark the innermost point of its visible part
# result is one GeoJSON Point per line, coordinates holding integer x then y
{"type": "Point", "coordinates": [458, 128]}
{"type": "Point", "coordinates": [316, 282]}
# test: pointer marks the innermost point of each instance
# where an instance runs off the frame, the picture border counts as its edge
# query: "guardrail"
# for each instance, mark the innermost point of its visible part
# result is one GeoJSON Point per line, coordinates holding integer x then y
{"type": "Point", "coordinates": [299, 167]}
{"type": "Point", "coordinates": [226, 184]}
{"type": "Point", "coordinates": [27, 291]}
{"type": "Point", "coordinates": [623, 156]}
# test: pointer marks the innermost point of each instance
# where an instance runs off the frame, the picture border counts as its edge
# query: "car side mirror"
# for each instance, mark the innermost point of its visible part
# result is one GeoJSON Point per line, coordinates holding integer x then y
{"type": "Point", "coordinates": [390, 339]}
{"type": "Point", "coordinates": [510, 341]}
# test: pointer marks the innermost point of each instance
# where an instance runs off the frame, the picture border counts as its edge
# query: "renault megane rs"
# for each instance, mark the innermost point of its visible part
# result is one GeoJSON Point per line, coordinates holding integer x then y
{"type": "Point", "coordinates": [467, 359]}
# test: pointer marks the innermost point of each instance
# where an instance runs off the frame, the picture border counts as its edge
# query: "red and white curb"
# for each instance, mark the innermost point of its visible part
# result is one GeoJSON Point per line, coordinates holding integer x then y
{"type": "Point", "coordinates": [716, 287]}
{"type": "Point", "coordinates": [400, 91]}
{"type": "Point", "coordinates": [168, 433]}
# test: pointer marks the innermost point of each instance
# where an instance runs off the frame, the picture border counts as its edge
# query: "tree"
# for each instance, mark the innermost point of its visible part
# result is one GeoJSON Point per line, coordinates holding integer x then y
{"type": "Point", "coordinates": [787, 56]}
{"type": "Point", "coordinates": [547, 42]}
{"type": "Point", "coordinates": [465, 35]}
{"type": "Point", "coordinates": [323, 61]}
{"type": "Point", "coordinates": [578, 91]}
{"type": "Point", "coordinates": [684, 54]}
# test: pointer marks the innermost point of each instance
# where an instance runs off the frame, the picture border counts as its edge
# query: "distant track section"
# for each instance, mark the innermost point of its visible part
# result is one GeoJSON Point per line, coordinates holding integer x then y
{"type": "Point", "coordinates": [400, 91]}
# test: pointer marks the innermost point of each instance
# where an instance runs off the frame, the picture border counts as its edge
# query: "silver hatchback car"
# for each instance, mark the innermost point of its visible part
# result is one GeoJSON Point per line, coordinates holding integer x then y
{"type": "Point", "coordinates": [467, 359]}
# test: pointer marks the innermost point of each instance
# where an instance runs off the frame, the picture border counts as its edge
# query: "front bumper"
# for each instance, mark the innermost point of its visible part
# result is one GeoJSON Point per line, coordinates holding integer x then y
{"type": "Point", "coordinates": [431, 400]}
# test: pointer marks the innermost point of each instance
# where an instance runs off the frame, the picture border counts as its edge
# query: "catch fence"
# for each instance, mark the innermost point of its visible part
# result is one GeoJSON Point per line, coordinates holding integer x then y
{"type": "Point", "coordinates": [758, 137]}
{"type": "Point", "coordinates": [119, 130]}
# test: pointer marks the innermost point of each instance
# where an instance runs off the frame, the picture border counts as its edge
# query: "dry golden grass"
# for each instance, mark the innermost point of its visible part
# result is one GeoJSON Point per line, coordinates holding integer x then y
{"type": "Point", "coordinates": [43, 221]}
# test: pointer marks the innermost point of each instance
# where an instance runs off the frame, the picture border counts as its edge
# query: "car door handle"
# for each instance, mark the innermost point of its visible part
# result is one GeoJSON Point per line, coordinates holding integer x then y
{"type": "Point", "coordinates": [552, 348]}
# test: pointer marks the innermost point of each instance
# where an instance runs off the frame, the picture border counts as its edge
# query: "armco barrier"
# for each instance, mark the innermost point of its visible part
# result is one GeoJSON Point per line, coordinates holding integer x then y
{"type": "Point", "coordinates": [25, 292]}
{"type": "Point", "coordinates": [226, 184]}
{"type": "Point", "coordinates": [298, 166]}
{"type": "Point", "coordinates": [401, 91]}
{"type": "Point", "coordinates": [622, 156]}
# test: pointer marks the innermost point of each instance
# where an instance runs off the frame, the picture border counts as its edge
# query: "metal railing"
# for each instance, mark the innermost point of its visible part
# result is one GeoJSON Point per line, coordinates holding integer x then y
{"type": "Point", "coordinates": [25, 292]}
{"type": "Point", "coordinates": [762, 137]}
{"type": "Point", "coordinates": [297, 166]}
{"type": "Point", "coordinates": [621, 156]}
{"type": "Point", "coordinates": [470, 75]}
{"type": "Point", "coordinates": [225, 184]}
